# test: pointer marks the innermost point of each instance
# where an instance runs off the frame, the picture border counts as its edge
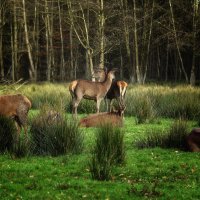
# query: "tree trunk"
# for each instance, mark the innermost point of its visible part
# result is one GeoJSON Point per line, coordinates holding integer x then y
{"type": "Point", "coordinates": [126, 33]}
{"type": "Point", "coordinates": [101, 32]}
{"type": "Point", "coordinates": [137, 67]}
{"type": "Point", "coordinates": [28, 45]}
{"type": "Point", "coordinates": [195, 14]}
{"type": "Point", "coordinates": [176, 40]}
{"type": "Point", "coordinates": [62, 62]}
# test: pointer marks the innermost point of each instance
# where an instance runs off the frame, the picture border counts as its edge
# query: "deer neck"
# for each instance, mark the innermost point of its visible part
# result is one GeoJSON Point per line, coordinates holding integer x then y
{"type": "Point", "coordinates": [107, 83]}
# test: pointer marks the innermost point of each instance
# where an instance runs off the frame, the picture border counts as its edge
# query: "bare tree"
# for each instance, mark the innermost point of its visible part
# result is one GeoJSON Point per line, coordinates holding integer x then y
{"type": "Point", "coordinates": [81, 31]}
{"type": "Point", "coordinates": [195, 18]}
{"type": "Point", "coordinates": [176, 41]}
{"type": "Point", "coordinates": [28, 44]}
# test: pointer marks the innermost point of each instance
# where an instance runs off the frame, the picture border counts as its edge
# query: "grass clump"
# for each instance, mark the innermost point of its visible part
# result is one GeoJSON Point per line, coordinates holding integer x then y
{"type": "Point", "coordinates": [173, 138]}
{"type": "Point", "coordinates": [108, 151]}
{"type": "Point", "coordinates": [53, 134]}
{"type": "Point", "coordinates": [17, 146]}
{"type": "Point", "coordinates": [8, 134]}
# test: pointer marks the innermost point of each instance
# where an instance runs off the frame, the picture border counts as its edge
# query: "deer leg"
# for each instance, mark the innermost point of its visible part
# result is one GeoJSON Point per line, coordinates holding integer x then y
{"type": "Point", "coordinates": [98, 104]}
{"type": "Point", "coordinates": [110, 105]}
{"type": "Point", "coordinates": [75, 106]}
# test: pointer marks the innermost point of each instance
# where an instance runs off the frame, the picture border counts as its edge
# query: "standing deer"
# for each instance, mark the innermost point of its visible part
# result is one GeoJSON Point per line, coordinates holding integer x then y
{"type": "Point", "coordinates": [116, 91]}
{"type": "Point", "coordinates": [90, 90]}
{"type": "Point", "coordinates": [193, 140]}
{"type": "Point", "coordinates": [16, 107]}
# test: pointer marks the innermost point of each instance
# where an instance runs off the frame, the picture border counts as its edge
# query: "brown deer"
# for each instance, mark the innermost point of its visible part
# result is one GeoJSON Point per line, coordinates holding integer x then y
{"type": "Point", "coordinates": [115, 118]}
{"type": "Point", "coordinates": [86, 89]}
{"type": "Point", "coordinates": [193, 140]}
{"type": "Point", "coordinates": [117, 90]}
{"type": "Point", "coordinates": [16, 107]}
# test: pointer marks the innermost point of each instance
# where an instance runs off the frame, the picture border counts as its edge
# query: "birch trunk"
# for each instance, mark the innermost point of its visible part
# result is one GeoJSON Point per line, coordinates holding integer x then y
{"type": "Point", "coordinates": [138, 74]}
{"type": "Point", "coordinates": [28, 45]}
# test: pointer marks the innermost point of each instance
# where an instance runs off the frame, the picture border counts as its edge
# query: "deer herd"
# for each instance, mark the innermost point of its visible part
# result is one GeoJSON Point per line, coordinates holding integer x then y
{"type": "Point", "coordinates": [101, 87]}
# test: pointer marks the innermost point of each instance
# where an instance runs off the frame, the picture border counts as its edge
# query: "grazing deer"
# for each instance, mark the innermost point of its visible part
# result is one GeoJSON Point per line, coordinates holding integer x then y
{"type": "Point", "coordinates": [16, 107]}
{"type": "Point", "coordinates": [115, 118]}
{"type": "Point", "coordinates": [193, 140]}
{"type": "Point", "coordinates": [116, 91]}
{"type": "Point", "coordinates": [86, 89]}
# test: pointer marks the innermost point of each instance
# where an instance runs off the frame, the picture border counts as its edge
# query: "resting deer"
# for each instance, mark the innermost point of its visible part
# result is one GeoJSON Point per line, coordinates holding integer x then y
{"type": "Point", "coordinates": [116, 91]}
{"type": "Point", "coordinates": [86, 89]}
{"type": "Point", "coordinates": [115, 118]}
{"type": "Point", "coordinates": [16, 107]}
{"type": "Point", "coordinates": [193, 140]}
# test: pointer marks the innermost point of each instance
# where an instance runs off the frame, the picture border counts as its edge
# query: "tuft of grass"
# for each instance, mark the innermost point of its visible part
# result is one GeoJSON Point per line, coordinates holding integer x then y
{"type": "Point", "coordinates": [55, 136]}
{"type": "Point", "coordinates": [8, 134]}
{"type": "Point", "coordinates": [173, 138]}
{"type": "Point", "coordinates": [21, 148]}
{"type": "Point", "coordinates": [108, 151]}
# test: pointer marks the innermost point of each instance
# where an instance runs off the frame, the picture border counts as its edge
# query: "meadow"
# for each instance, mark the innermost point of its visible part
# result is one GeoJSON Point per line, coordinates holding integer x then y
{"type": "Point", "coordinates": [150, 170]}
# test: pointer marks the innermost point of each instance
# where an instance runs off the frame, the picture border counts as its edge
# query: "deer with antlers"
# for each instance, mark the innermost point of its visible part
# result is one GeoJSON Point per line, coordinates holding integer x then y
{"type": "Point", "coordinates": [86, 89]}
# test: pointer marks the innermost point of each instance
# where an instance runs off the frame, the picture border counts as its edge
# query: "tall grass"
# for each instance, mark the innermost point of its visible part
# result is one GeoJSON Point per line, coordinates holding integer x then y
{"type": "Point", "coordinates": [163, 101]}
{"type": "Point", "coordinates": [146, 102]}
{"type": "Point", "coordinates": [108, 150]}
{"type": "Point", "coordinates": [10, 141]}
{"type": "Point", "coordinates": [55, 136]}
{"type": "Point", "coordinates": [175, 137]}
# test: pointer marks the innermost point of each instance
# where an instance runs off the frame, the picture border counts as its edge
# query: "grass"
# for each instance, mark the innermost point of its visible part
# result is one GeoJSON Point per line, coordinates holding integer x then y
{"type": "Point", "coordinates": [149, 173]}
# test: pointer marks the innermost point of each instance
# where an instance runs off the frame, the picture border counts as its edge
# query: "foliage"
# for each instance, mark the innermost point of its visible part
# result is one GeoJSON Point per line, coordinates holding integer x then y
{"type": "Point", "coordinates": [174, 138]}
{"type": "Point", "coordinates": [108, 150]}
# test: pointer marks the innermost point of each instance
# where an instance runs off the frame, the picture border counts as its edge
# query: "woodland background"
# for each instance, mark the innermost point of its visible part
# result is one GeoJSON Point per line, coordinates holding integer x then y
{"type": "Point", "coordinates": [61, 40]}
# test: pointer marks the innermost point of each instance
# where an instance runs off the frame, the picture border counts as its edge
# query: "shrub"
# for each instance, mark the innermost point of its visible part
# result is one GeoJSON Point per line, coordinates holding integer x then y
{"type": "Point", "coordinates": [58, 137]}
{"type": "Point", "coordinates": [173, 138]}
{"type": "Point", "coordinates": [109, 150]}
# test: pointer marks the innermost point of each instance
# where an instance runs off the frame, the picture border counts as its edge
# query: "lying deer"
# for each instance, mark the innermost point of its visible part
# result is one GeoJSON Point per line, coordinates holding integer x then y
{"type": "Point", "coordinates": [15, 107]}
{"type": "Point", "coordinates": [117, 90]}
{"type": "Point", "coordinates": [193, 140]}
{"type": "Point", "coordinates": [115, 118]}
{"type": "Point", "coordinates": [86, 89]}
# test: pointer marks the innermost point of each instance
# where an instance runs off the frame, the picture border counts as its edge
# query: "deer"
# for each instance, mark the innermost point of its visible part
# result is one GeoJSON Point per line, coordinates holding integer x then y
{"type": "Point", "coordinates": [16, 107]}
{"type": "Point", "coordinates": [117, 90]}
{"type": "Point", "coordinates": [90, 90]}
{"type": "Point", "coordinates": [115, 118]}
{"type": "Point", "coordinates": [193, 140]}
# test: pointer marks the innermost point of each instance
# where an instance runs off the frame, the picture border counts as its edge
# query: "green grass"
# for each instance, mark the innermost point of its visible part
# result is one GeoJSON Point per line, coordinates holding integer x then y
{"type": "Point", "coordinates": [148, 173]}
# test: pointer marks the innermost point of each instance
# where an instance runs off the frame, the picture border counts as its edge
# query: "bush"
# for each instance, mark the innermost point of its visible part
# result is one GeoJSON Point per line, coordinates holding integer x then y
{"type": "Point", "coordinates": [109, 150]}
{"type": "Point", "coordinates": [58, 137]}
{"type": "Point", "coordinates": [174, 138]}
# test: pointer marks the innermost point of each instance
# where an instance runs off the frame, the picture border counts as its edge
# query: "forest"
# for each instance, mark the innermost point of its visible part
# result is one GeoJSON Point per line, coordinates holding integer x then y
{"type": "Point", "coordinates": [62, 40]}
